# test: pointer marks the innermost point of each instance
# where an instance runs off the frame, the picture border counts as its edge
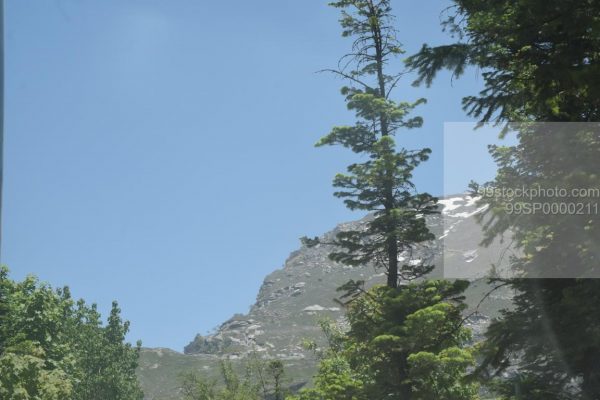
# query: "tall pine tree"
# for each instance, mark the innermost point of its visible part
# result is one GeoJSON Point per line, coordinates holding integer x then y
{"type": "Point", "coordinates": [403, 342]}
{"type": "Point", "coordinates": [383, 184]}
{"type": "Point", "coordinates": [540, 62]}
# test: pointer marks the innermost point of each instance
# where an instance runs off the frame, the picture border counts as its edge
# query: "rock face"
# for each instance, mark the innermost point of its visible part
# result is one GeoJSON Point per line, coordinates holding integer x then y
{"type": "Point", "coordinates": [292, 299]}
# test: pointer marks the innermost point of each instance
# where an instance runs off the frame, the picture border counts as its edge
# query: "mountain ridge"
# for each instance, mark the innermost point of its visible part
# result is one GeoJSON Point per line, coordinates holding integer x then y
{"type": "Point", "coordinates": [292, 299]}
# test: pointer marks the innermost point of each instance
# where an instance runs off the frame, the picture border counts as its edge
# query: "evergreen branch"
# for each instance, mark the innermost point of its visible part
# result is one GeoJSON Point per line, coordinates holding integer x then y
{"type": "Point", "coordinates": [349, 77]}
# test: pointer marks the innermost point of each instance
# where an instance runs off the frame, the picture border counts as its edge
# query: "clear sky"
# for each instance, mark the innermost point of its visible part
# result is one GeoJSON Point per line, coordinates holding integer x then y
{"type": "Point", "coordinates": [160, 153]}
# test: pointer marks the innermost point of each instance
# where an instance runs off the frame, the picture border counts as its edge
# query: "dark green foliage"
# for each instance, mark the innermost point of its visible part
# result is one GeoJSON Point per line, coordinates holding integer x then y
{"type": "Point", "coordinates": [383, 184]}
{"type": "Point", "coordinates": [539, 58]}
{"type": "Point", "coordinates": [52, 348]}
{"type": "Point", "coordinates": [403, 343]}
{"type": "Point", "coordinates": [395, 331]}
{"type": "Point", "coordinates": [541, 63]}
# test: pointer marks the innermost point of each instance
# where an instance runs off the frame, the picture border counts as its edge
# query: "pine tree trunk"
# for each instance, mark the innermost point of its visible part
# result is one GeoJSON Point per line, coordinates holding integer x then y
{"type": "Point", "coordinates": [392, 244]}
{"type": "Point", "coordinates": [392, 280]}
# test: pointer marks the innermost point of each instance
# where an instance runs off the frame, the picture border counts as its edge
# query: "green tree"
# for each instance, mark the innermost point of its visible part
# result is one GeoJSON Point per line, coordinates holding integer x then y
{"type": "Point", "coordinates": [395, 332]}
{"type": "Point", "coordinates": [24, 375]}
{"type": "Point", "coordinates": [261, 379]}
{"type": "Point", "coordinates": [383, 184]}
{"type": "Point", "coordinates": [335, 378]}
{"type": "Point", "coordinates": [195, 387]}
{"type": "Point", "coordinates": [51, 348]}
{"type": "Point", "coordinates": [277, 372]}
{"type": "Point", "coordinates": [540, 62]}
{"type": "Point", "coordinates": [106, 362]}
{"type": "Point", "coordinates": [405, 343]}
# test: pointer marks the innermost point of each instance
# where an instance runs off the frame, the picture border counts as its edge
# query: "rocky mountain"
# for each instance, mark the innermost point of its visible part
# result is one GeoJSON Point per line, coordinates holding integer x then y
{"type": "Point", "coordinates": [292, 299]}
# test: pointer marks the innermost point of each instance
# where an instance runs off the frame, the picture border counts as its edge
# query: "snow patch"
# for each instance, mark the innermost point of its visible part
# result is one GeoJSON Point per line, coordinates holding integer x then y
{"type": "Point", "coordinates": [449, 204]}
{"type": "Point", "coordinates": [472, 201]}
{"type": "Point", "coordinates": [470, 214]}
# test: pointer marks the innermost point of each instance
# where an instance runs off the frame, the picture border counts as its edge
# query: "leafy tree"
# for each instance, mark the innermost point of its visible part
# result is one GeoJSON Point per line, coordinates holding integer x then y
{"type": "Point", "coordinates": [261, 379]}
{"type": "Point", "coordinates": [4, 291]}
{"type": "Point", "coordinates": [335, 379]}
{"type": "Point", "coordinates": [107, 363]}
{"type": "Point", "coordinates": [541, 63]}
{"type": "Point", "coordinates": [382, 184]}
{"type": "Point", "coordinates": [51, 348]}
{"type": "Point", "coordinates": [24, 375]}
{"type": "Point", "coordinates": [236, 387]}
{"type": "Point", "coordinates": [195, 387]}
{"type": "Point", "coordinates": [276, 372]}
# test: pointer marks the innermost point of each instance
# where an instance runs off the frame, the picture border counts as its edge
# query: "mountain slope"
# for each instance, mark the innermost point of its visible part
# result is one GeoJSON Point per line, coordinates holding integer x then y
{"type": "Point", "coordinates": [291, 300]}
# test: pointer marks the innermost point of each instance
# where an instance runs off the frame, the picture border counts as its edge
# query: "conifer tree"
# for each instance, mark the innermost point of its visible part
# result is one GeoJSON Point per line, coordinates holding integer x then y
{"type": "Point", "coordinates": [402, 342]}
{"type": "Point", "coordinates": [383, 184]}
{"type": "Point", "coordinates": [541, 62]}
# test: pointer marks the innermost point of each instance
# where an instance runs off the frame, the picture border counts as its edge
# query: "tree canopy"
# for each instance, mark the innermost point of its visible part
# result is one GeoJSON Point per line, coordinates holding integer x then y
{"type": "Point", "coordinates": [53, 348]}
{"type": "Point", "coordinates": [540, 63]}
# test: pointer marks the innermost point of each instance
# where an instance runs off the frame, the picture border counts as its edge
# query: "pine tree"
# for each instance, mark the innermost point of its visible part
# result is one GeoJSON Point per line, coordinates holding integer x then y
{"type": "Point", "coordinates": [404, 342]}
{"type": "Point", "coordinates": [382, 185]}
{"type": "Point", "coordinates": [541, 62]}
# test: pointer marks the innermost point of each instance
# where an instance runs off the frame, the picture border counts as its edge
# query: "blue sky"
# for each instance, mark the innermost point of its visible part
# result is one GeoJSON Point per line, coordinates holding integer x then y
{"type": "Point", "coordinates": [160, 153]}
